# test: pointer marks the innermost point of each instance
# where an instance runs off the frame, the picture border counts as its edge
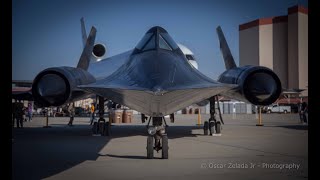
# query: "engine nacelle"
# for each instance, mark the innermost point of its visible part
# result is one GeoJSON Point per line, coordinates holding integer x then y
{"type": "Point", "coordinates": [57, 86]}
{"type": "Point", "coordinates": [256, 84]}
{"type": "Point", "coordinates": [98, 51]}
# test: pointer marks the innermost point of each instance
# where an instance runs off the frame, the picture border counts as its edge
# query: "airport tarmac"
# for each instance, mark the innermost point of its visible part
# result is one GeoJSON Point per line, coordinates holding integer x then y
{"type": "Point", "coordinates": [277, 150]}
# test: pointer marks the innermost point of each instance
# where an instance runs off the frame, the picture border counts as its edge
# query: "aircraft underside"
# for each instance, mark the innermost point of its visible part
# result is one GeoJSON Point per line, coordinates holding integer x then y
{"type": "Point", "coordinates": [157, 104]}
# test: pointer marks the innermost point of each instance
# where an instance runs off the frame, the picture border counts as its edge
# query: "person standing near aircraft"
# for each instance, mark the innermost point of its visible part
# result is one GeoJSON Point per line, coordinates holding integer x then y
{"type": "Point", "coordinates": [92, 113]}
{"type": "Point", "coordinates": [19, 110]}
{"type": "Point", "coordinates": [30, 111]}
{"type": "Point", "coordinates": [71, 111]}
{"type": "Point", "coordinates": [300, 112]}
{"type": "Point", "coordinates": [303, 112]}
{"type": "Point", "coordinates": [14, 105]}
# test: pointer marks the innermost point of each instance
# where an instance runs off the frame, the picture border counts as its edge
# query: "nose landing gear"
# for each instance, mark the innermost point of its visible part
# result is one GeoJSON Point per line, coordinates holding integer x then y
{"type": "Point", "coordinates": [157, 138]}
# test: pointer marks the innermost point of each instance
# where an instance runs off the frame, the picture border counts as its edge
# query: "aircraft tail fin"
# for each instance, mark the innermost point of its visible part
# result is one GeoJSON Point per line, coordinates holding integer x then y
{"type": "Point", "coordinates": [88, 47]}
{"type": "Point", "coordinates": [227, 56]}
{"type": "Point", "coordinates": [83, 32]}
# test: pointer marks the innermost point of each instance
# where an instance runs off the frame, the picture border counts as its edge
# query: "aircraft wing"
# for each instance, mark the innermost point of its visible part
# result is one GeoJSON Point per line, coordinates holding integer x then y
{"type": "Point", "coordinates": [22, 94]}
{"type": "Point", "coordinates": [161, 102]}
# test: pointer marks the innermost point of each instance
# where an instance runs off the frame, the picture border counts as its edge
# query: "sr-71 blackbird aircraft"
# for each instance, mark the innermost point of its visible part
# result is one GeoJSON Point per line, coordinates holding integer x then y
{"type": "Point", "coordinates": [156, 79]}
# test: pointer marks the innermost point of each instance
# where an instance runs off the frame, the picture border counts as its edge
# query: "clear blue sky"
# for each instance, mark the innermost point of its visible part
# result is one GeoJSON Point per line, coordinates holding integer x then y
{"type": "Point", "coordinates": [47, 33]}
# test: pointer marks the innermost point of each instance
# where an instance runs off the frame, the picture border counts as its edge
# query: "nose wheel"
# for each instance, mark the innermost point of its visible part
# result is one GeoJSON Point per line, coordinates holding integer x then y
{"type": "Point", "coordinates": [157, 139]}
{"type": "Point", "coordinates": [165, 147]}
{"type": "Point", "coordinates": [150, 147]}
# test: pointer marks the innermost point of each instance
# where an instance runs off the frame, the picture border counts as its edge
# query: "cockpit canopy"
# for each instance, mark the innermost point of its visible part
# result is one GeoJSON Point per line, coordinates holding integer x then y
{"type": "Point", "coordinates": [156, 38]}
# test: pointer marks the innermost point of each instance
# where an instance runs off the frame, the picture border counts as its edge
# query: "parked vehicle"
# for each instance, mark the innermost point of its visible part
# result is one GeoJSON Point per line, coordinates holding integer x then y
{"type": "Point", "coordinates": [294, 107]}
{"type": "Point", "coordinates": [276, 108]}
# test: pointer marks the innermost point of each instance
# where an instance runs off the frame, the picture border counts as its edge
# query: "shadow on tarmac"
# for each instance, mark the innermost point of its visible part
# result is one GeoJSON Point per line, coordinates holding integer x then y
{"type": "Point", "coordinates": [39, 153]}
{"type": "Point", "coordinates": [296, 127]}
{"type": "Point", "coordinates": [126, 156]}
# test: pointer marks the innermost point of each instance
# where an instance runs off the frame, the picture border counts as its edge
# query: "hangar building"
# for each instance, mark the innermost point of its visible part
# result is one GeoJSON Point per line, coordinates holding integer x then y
{"type": "Point", "coordinates": [280, 43]}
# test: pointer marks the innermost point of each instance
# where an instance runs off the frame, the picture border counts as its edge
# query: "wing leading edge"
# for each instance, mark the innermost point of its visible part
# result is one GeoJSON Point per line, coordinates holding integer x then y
{"type": "Point", "coordinates": [156, 103]}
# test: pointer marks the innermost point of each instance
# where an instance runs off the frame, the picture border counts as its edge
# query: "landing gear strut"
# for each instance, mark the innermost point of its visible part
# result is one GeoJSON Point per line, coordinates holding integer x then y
{"type": "Point", "coordinates": [213, 125]}
{"type": "Point", "coordinates": [172, 118]}
{"type": "Point", "coordinates": [157, 138]}
{"type": "Point", "coordinates": [101, 127]}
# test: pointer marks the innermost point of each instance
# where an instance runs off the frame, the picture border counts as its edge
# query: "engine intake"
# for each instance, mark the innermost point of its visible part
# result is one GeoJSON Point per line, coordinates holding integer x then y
{"type": "Point", "coordinates": [257, 84]}
{"type": "Point", "coordinates": [57, 86]}
{"type": "Point", "coordinates": [98, 50]}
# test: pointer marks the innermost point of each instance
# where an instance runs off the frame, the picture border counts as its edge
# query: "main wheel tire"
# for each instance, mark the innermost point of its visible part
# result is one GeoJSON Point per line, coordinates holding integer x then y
{"type": "Point", "coordinates": [218, 127]}
{"type": "Point", "coordinates": [212, 127]}
{"type": "Point", "coordinates": [107, 129]}
{"type": "Point", "coordinates": [150, 147]}
{"type": "Point", "coordinates": [165, 147]}
{"type": "Point", "coordinates": [101, 127]}
{"type": "Point", "coordinates": [166, 129]}
{"type": "Point", "coordinates": [95, 128]}
{"type": "Point", "coordinates": [206, 128]}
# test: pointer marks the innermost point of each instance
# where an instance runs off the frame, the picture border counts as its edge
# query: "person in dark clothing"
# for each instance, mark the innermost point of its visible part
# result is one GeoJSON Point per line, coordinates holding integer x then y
{"type": "Point", "coordinates": [114, 105]}
{"type": "Point", "coordinates": [300, 112]}
{"type": "Point", "coordinates": [13, 108]}
{"type": "Point", "coordinates": [19, 110]}
{"type": "Point", "coordinates": [303, 112]}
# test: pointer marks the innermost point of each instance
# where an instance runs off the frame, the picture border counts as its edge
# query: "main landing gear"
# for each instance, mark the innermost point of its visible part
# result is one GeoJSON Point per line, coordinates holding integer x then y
{"type": "Point", "coordinates": [102, 127]}
{"type": "Point", "coordinates": [213, 126]}
{"type": "Point", "coordinates": [157, 137]}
